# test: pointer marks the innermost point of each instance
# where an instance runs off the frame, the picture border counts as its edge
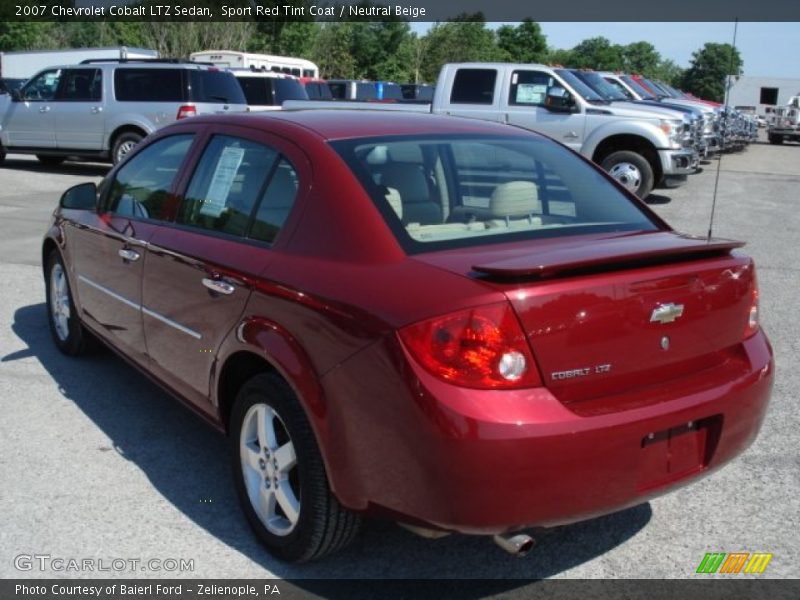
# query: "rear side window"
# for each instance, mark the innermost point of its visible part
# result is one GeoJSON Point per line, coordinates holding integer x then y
{"type": "Point", "coordinates": [215, 87]}
{"type": "Point", "coordinates": [81, 85]}
{"type": "Point", "coordinates": [240, 188]}
{"type": "Point", "coordinates": [142, 185]}
{"type": "Point", "coordinates": [474, 86]}
{"type": "Point", "coordinates": [149, 85]}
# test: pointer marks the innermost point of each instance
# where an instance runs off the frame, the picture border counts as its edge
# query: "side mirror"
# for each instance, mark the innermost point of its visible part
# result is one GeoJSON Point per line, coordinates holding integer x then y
{"type": "Point", "coordinates": [80, 197]}
{"type": "Point", "coordinates": [16, 95]}
{"type": "Point", "coordinates": [559, 100]}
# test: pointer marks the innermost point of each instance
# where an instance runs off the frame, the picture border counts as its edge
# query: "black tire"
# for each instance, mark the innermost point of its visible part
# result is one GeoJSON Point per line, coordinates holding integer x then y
{"type": "Point", "coordinates": [50, 161]}
{"type": "Point", "coordinates": [776, 139]}
{"type": "Point", "coordinates": [323, 526]}
{"type": "Point", "coordinates": [2, 155]}
{"type": "Point", "coordinates": [77, 340]}
{"type": "Point", "coordinates": [123, 144]}
{"type": "Point", "coordinates": [616, 162]}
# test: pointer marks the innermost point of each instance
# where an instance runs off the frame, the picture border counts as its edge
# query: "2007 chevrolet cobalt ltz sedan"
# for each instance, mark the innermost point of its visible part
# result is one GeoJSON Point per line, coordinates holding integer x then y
{"type": "Point", "coordinates": [458, 325]}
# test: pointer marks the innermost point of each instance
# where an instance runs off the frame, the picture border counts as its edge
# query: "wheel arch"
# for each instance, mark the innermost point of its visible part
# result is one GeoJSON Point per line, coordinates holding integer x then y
{"type": "Point", "coordinates": [633, 143]}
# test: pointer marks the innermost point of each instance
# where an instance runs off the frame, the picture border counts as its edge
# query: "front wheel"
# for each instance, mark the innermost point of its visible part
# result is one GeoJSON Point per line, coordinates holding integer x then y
{"type": "Point", "coordinates": [280, 476]}
{"type": "Point", "coordinates": [65, 327]}
{"type": "Point", "coordinates": [776, 139]}
{"type": "Point", "coordinates": [123, 145]}
{"type": "Point", "coordinates": [631, 170]}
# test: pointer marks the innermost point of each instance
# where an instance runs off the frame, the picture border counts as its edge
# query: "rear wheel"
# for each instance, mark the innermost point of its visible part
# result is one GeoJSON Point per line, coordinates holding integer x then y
{"type": "Point", "coordinates": [124, 144]}
{"type": "Point", "coordinates": [775, 139]}
{"type": "Point", "coordinates": [631, 170]}
{"type": "Point", "coordinates": [280, 476]}
{"type": "Point", "coordinates": [50, 161]}
{"type": "Point", "coordinates": [66, 328]}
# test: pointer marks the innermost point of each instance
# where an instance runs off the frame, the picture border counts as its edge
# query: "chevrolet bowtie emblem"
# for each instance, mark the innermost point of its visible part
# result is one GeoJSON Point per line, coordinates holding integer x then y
{"type": "Point", "coordinates": [666, 313]}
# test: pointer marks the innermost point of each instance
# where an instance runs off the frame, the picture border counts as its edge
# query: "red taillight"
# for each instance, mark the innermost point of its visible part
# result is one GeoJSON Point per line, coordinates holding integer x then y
{"type": "Point", "coordinates": [481, 347]}
{"type": "Point", "coordinates": [186, 110]}
{"type": "Point", "coordinates": [752, 314]}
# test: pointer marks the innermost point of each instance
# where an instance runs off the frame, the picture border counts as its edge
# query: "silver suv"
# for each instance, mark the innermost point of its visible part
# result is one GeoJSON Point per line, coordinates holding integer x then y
{"type": "Point", "coordinates": [101, 109]}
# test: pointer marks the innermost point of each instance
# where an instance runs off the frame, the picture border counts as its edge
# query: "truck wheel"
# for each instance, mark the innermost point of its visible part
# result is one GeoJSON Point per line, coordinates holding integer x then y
{"type": "Point", "coordinates": [50, 161]}
{"type": "Point", "coordinates": [775, 139]}
{"type": "Point", "coordinates": [631, 170]}
{"type": "Point", "coordinates": [280, 476]}
{"type": "Point", "coordinates": [123, 145]}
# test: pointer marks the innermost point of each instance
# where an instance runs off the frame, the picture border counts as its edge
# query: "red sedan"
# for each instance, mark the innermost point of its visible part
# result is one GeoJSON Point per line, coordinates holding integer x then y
{"type": "Point", "coordinates": [458, 325]}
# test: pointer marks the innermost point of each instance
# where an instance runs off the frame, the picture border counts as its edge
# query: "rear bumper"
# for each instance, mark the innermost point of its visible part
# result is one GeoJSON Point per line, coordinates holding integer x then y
{"type": "Point", "coordinates": [485, 462]}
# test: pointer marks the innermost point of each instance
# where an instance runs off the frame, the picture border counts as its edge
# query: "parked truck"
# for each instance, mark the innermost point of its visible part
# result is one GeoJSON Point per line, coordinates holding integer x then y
{"type": "Point", "coordinates": [785, 126]}
{"type": "Point", "coordinates": [24, 65]}
{"type": "Point", "coordinates": [639, 148]}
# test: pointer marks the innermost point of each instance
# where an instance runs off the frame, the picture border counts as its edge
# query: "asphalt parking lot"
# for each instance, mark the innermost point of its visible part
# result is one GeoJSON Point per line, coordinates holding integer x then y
{"type": "Point", "coordinates": [98, 463]}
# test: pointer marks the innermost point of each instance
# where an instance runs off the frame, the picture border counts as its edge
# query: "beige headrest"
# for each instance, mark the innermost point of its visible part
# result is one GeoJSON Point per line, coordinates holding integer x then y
{"type": "Point", "coordinates": [515, 199]}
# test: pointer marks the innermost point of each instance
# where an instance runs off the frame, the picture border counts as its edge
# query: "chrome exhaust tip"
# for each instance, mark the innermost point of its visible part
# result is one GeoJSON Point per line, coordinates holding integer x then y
{"type": "Point", "coordinates": [518, 544]}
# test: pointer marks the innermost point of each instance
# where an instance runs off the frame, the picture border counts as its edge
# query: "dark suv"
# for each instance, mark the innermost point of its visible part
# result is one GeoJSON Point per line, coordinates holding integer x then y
{"type": "Point", "coordinates": [102, 109]}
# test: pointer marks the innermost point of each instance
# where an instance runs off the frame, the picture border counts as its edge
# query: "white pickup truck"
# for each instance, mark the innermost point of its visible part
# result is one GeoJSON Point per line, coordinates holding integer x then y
{"type": "Point", "coordinates": [638, 147]}
{"type": "Point", "coordinates": [785, 125]}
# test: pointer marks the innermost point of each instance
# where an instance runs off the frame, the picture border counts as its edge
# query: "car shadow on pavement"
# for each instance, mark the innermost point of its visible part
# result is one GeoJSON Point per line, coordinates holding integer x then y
{"type": "Point", "coordinates": [187, 463]}
{"type": "Point", "coordinates": [66, 168]}
{"type": "Point", "coordinates": [654, 199]}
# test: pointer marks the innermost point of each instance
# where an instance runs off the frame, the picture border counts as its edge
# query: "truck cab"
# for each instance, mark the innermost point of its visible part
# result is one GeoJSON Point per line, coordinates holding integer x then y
{"type": "Point", "coordinates": [638, 147]}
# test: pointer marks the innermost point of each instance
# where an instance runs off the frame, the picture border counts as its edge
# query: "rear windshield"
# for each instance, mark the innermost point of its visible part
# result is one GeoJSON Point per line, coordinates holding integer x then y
{"type": "Point", "coordinates": [215, 87]}
{"type": "Point", "coordinates": [459, 191]}
{"type": "Point", "coordinates": [289, 89]}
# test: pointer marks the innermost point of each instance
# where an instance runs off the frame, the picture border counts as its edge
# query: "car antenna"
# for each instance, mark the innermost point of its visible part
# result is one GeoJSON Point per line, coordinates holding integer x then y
{"type": "Point", "coordinates": [722, 129]}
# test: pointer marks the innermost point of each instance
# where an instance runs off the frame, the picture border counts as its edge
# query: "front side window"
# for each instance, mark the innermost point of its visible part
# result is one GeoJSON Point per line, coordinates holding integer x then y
{"type": "Point", "coordinates": [82, 85]}
{"type": "Point", "coordinates": [438, 193]}
{"type": "Point", "coordinates": [42, 88]}
{"type": "Point", "coordinates": [240, 188]}
{"type": "Point", "coordinates": [529, 88]}
{"type": "Point", "coordinates": [141, 188]}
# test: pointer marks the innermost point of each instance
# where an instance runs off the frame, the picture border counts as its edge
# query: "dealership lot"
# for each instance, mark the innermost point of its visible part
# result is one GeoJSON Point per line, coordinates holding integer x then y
{"type": "Point", "coordinates": [99, 464]}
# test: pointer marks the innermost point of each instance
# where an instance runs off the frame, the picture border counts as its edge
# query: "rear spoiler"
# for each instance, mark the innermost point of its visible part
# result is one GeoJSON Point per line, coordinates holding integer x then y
{"type": "Point", "coordinates": [603, 253]}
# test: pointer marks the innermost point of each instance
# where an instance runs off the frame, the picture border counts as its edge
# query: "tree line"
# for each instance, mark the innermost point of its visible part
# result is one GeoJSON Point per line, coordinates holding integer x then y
{"type": "Point", "coordinates": [388, 50]}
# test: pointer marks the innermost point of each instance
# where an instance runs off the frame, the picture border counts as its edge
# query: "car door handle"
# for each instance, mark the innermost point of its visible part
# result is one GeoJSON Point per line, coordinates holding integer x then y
{"type": "Point", "coordinates": [219, 286]}
{"type": "Point", "coordinates": [571, 135]}
{"type": "Point", "coordinates": [44, 109]}
{"type": "Point", "coordinates": [96, 109]}
{"type": "Point", "coordinates": [130, 255]}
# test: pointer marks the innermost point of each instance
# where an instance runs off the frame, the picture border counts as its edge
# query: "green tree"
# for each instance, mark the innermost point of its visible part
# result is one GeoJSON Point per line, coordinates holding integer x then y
{"type": "Point", "coordinates": [557, 56]}
{"type": "Point", "coordinates": [597, 53]}
{"type": "Point", "coordinates": [24, 35]}
{"type": "Point", "coordinates": [640, 57]}
{"type": "Point", "coordinates": [707, 73]}
{"type": "Point", "coordinates": [464, 39]}
{"type": "Point", "coordinates": [524, 43]}
{"type": "Point", "coordinates": [331, 50]}
{"type": "Point", "coordinates": [668, 71]}
{"type": "Point", "coordinates": [381, 51]}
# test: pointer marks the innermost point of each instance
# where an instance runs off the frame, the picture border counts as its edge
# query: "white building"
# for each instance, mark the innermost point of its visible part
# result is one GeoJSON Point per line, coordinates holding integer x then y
{"type": "Point", "coordinates": [759, 93]}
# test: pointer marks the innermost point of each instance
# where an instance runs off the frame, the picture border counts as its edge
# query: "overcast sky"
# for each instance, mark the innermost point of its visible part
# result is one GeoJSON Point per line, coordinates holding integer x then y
{"type": "Point", "coordinates": [767, 49]}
